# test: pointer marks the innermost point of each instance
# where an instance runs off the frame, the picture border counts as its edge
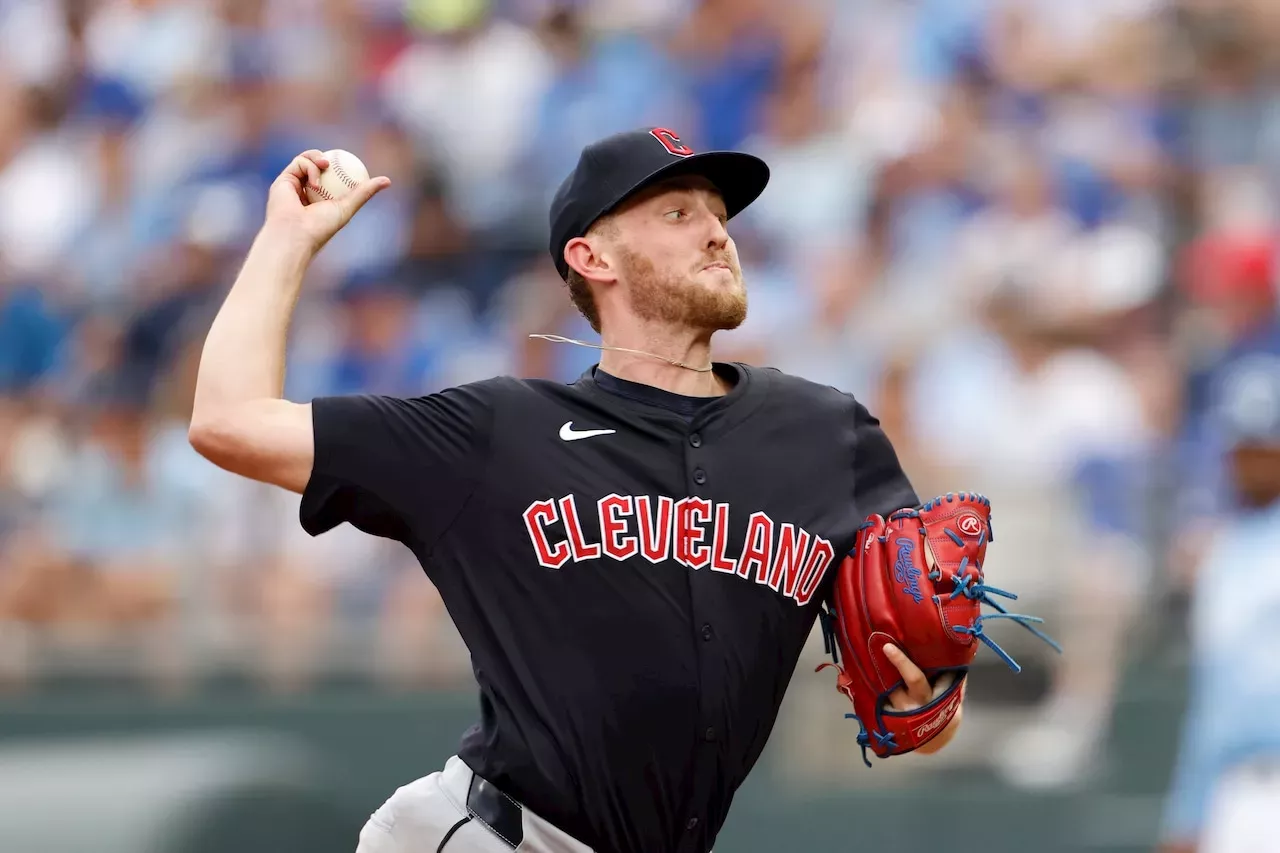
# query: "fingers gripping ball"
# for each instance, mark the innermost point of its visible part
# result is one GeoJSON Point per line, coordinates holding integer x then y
{"type": "Point", "coordinates": [914, 580]}
{"type": "Point", "coordinates": [345, 173]}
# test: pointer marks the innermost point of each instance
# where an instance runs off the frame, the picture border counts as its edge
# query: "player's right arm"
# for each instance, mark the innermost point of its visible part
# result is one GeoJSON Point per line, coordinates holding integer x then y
{"type": "Point", "coordinates": [240, 420]}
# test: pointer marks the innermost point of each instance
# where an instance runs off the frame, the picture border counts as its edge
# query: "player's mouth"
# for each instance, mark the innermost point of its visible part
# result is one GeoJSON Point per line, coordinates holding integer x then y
{"type": "Point", "coordinates": [719, 265]}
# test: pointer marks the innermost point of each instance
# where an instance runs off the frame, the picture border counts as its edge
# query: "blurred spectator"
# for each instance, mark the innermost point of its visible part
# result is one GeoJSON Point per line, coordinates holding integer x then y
{"type": "Point", "coordinates": [467, 89]}
{"type": "Point", "coordinates": [111, 244]}
{"type": "Point", "coordinates": [439, 252]}
{"type": "Point", "coordinates": [111, 542]}
{"type": "Point", "coordinates": [820, 177]}
{"type": "Point", "coordinates": [46, 161]}
{"type": "Point", "coordinates": [1232, 108]}
{"type": "Point", "coordinates": [605, 80]}
{"type": "Point", "coordinates": [1019, 239]}
{"type": "Point", "coordinates": [929, 193]}
{"type": "Point", "coordinates": [1034, 416]}
{"type": "Point", "coordinates": [155, 46]}
{"type": "Point", "coordinates": [1229, 277]}
{"type": "Point", "coordinates": [731, 52]}
{"type": "Point", "coordinates": [800, 240]}
{"type": "Point", "coordinates": [379, 352]}
{"type": "Point", "coordinates": [32, 326]}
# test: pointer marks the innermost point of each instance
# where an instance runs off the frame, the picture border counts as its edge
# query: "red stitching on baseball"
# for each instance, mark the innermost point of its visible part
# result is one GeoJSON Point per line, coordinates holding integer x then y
{"type": "Point", "coordinates": [341, 173]}
{"type": "Point", "coordinates": [336, 165]}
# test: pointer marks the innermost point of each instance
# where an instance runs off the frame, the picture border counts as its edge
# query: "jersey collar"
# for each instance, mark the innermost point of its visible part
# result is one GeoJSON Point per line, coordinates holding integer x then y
{"type": "Point", "coordinates": [743, 398]}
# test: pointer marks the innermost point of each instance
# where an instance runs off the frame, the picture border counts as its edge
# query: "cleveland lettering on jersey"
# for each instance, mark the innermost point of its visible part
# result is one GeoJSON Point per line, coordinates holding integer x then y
{"type": "Point", "coordinates": [691, 531]}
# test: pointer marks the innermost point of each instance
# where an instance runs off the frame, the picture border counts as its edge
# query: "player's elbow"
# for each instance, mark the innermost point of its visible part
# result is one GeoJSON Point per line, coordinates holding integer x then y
{"type": "Point", "coordinates": [268, 440]}
{"type": "Point", "coordinates": [214, 438]}
{"type": "Point", "coordinates": [225, 438]}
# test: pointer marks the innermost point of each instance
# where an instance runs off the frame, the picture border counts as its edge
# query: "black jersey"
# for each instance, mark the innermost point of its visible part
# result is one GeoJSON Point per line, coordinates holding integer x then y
{"type": "Point", "coordinates": [634, 573]}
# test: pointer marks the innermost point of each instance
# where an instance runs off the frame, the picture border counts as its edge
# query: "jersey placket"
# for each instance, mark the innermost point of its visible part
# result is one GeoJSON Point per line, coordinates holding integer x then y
{"type": "Point", "coordinates": [703, 630]}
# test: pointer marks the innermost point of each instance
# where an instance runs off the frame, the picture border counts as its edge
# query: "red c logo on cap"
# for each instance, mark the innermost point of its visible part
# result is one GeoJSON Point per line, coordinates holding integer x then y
{"type": "Point", "coordinates": [671, 141]}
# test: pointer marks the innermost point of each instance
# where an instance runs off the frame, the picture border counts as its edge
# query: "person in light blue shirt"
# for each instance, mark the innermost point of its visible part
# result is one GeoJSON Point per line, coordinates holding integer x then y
{"type": "Point", "coordinates": [1226, 785]}
{"type": "Point", "coordinates": [604, 82]}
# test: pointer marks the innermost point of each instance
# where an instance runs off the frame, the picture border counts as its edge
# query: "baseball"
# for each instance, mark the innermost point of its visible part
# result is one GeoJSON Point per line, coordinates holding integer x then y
{"type": "Point", "coordinates": [344, 174]}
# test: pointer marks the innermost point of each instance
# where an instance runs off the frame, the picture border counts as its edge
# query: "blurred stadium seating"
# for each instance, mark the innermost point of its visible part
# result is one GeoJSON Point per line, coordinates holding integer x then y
{"type": "Point", "coordinates": [1020, 230]}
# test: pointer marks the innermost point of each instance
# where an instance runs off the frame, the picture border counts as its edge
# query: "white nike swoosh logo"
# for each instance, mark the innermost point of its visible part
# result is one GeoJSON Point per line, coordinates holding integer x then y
{"type": "Point", "coordinates": [568, 433]}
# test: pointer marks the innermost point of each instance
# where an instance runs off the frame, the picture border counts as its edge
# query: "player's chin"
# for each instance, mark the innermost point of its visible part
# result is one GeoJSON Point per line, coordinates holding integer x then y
{"type": "Point", "coordinates": [728, 316]}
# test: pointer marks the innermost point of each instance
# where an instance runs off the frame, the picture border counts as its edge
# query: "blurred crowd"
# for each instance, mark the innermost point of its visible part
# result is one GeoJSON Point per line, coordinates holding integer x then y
{"type": "Point", "coordinates": [1030, 235]}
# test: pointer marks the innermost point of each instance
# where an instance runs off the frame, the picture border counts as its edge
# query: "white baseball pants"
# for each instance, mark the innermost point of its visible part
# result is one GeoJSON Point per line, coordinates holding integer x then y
{"type": "Point", "coordinates": [454, 811]}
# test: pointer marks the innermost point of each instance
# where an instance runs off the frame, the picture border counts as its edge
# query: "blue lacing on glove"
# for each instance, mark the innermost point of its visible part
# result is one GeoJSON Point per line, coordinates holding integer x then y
{"type": "Point", "coordinates": [970, 587]}
{"type": "Point", "coordinates": [1017, 617]}
{"type": "Point", "coordinates": [977, 591]}
{"type": "Point", "coordinates": [864, 738]}
{"type": "Point", "coordinates": [976, 630]}
{"type": "Point", "coordinates": [950, 497]}
{"type": "Point", "coordinates": [885, 740]}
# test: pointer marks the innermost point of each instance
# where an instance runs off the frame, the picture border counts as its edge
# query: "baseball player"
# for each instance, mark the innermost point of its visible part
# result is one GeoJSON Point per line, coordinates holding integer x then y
{"type": "Point", "coordinates": [634, 559]}
{"type": "Point", "coordinates": [1225, 792]}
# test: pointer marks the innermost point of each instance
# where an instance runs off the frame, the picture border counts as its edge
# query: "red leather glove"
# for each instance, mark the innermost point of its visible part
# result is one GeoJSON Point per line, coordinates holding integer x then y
{"type": "Point", "coordinates": [914, 580]}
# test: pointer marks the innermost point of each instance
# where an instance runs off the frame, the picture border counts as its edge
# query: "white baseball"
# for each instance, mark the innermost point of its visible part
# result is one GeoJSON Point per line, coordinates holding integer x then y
{"type": "Point", "coordinates": [344, 174]}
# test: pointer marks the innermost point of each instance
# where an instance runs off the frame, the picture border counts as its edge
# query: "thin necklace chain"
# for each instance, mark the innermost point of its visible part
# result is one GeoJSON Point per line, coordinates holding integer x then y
{"type": "Point", "coordinates": [558, 339]}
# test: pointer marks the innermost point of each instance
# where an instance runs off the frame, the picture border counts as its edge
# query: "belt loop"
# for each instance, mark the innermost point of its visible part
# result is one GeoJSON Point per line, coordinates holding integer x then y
{"type": "Point", "coordinates": [501, 814]}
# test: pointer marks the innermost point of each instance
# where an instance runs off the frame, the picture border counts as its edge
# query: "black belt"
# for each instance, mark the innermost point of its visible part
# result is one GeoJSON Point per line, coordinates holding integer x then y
{"type": "Point", "coordinates": [496, 810]}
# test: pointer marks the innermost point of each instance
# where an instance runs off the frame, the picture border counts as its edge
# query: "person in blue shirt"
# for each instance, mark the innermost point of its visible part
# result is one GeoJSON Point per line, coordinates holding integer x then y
{"type": "Point", "coordinates": [1226, 784]}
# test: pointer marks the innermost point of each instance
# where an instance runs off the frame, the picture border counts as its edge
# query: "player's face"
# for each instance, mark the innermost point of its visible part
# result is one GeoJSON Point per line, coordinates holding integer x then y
{"type": "Point", "coordinates": [1256, 471]}
{"type": "Point", "coordinates": [677, 261]}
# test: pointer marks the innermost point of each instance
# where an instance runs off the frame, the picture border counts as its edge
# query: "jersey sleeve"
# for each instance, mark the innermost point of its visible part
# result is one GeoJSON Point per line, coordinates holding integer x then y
{"type": "Point", "coordinates": [1195, 773]}
{"type": "Point", "coordinates": [880, 485]}
{"type": "Point", "coordinates": [394, 467]}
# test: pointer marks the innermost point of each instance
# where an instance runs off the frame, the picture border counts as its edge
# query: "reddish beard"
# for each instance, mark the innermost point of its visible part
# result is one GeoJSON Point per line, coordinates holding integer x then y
{"type": "Point", "coordinates": [677, 301]}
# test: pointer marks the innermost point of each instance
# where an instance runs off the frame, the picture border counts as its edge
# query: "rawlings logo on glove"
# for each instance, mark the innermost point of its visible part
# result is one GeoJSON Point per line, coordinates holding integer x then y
{"type": "Point", "coordinates": [914, 580]}
{"type": "Point", "coordinates": [906, 572]}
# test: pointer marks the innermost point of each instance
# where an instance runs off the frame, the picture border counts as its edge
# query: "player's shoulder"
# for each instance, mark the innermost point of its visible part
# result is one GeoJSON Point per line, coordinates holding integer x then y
{"type": "Point", "coordinates": [487, 390]}
{"type": "Point", "coordinates": [792, 390]}
{"type": "Point", "coordinates": [506, 389]}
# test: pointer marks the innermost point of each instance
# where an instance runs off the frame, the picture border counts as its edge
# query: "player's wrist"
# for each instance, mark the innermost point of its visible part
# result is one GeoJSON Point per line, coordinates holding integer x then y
{"type": "Point", "coordinates": [286, 243]}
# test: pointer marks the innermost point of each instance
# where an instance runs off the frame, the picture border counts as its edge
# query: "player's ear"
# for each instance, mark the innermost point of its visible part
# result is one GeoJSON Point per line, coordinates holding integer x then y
{"type": "Point", "coordinates": [586, 256]}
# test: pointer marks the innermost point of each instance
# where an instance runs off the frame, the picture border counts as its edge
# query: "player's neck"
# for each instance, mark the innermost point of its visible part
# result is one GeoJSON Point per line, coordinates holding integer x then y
{"type": "Point", "coordinates": [648, 370]}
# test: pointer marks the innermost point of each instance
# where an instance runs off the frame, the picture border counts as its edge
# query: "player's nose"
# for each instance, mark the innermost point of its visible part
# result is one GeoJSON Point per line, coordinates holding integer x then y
{"type": "Point", "coordinates": [717, 234]}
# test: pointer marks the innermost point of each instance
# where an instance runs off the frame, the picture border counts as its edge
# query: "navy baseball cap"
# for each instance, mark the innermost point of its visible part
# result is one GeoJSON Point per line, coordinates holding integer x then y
{"type": "Point", "coordinates": [612, 169]}
{"type": "Point", "coordinates": [1248, 400]}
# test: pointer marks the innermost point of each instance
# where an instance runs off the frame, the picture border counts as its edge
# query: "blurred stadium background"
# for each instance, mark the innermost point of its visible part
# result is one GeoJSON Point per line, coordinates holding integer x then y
{"type": "Point", "coordinates": [1028, 233]}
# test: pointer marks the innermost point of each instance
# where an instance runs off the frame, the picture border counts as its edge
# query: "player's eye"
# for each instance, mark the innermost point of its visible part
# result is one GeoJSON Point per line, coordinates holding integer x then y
{"type": "Point", "coordinates": [676, 214]}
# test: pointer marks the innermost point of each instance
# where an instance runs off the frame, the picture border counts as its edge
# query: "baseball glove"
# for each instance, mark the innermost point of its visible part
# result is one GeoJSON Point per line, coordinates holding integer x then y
{"type": "Point", "coordinates": [915, 580]}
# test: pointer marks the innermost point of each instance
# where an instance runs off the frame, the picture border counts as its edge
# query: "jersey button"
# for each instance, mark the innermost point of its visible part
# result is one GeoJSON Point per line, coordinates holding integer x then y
{"type": "Point", "coordinates": [692, 824]}
{"type": "Point", "coordinates": [695, 440]}
{"type": "Point", "coordinates": [710, 734]}
{"type": "Point", "coordinates": [706, 633]}
{"type": "Point", "coordinates": [699, 476]}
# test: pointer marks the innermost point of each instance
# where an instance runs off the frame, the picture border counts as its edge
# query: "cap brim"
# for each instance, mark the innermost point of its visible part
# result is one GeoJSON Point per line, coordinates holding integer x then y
{"type": "Point", "coordinates": [740, 178]}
